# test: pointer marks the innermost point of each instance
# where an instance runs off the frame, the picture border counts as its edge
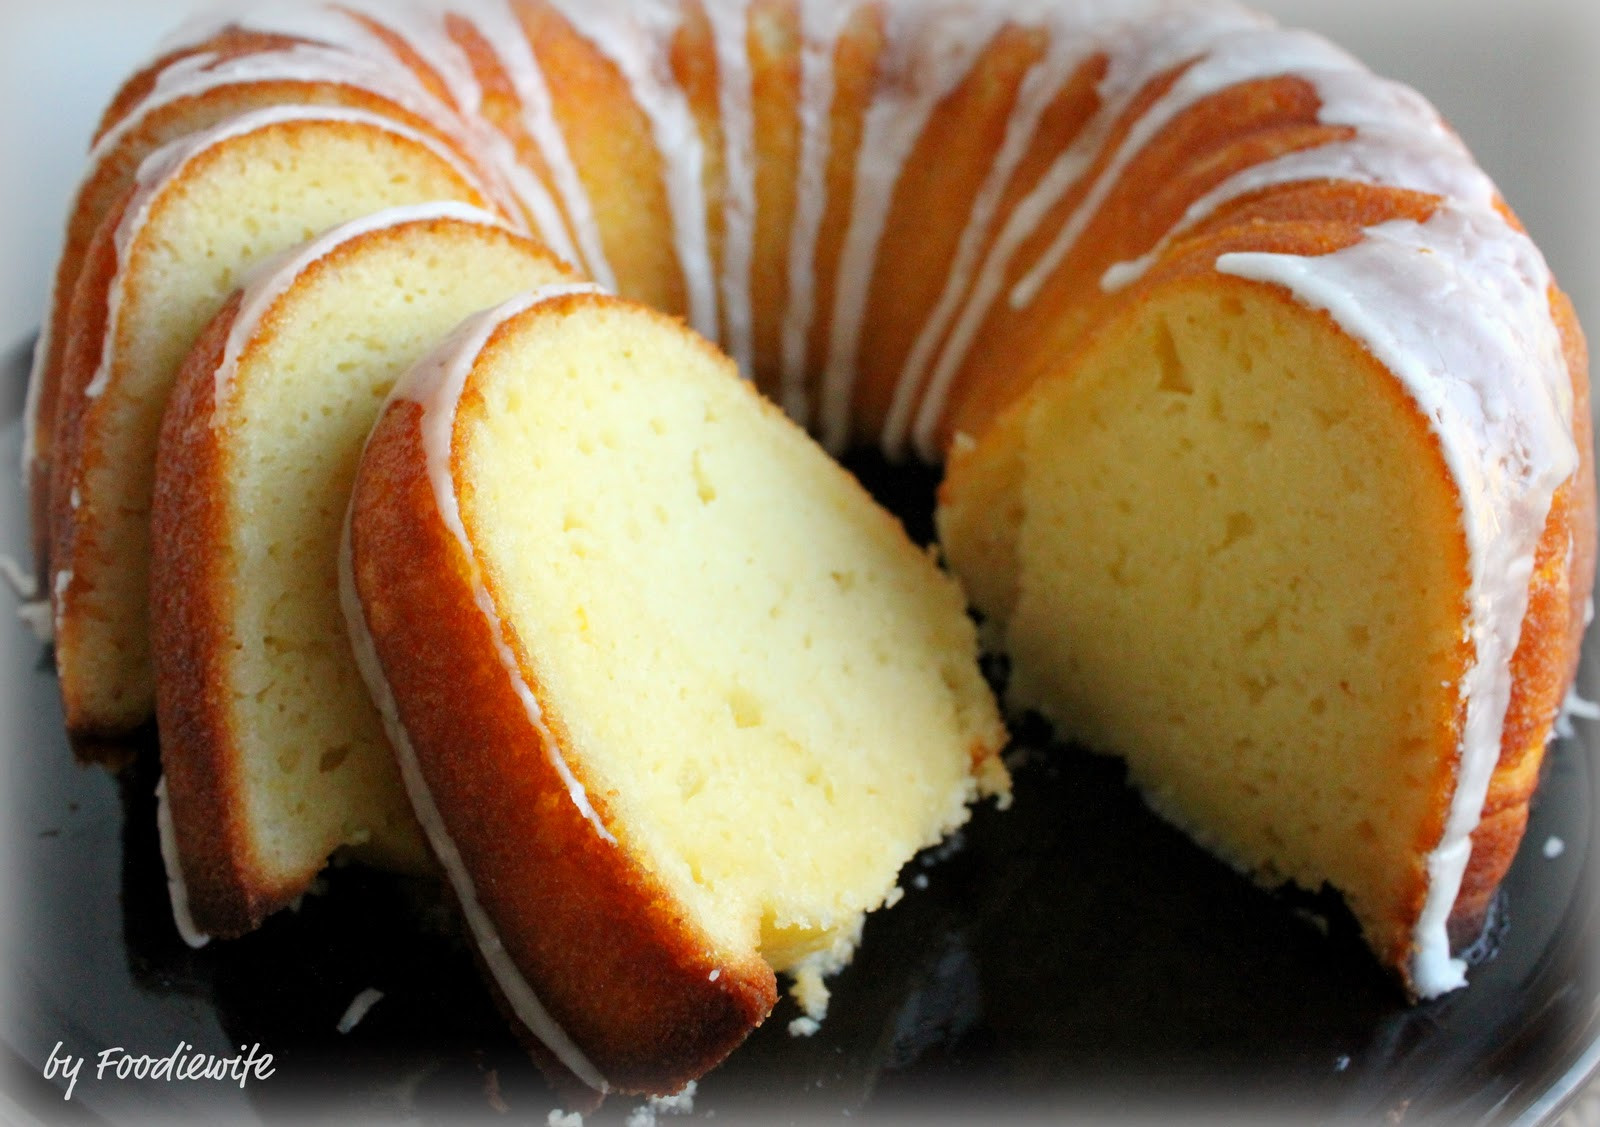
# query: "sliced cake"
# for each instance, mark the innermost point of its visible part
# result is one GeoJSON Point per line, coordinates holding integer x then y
{"type": "Point", "coordinates": [674, 698]}
{"type": "Point", "coordinates": [203, 213]}
{"type": "Point", "coordinates": [273, 754]}
{"type": "Point", "coordinates": [186, 93]}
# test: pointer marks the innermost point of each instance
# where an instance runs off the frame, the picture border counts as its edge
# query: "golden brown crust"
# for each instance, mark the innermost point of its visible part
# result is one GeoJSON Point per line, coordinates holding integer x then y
{"type": "Point", "coordinates": [87, 322]}
{"type": "Point", "coordinates": [620, 968]}
{"type": "Point", "coordinates": [66, 522]}
{"type": "Point", "coordinates": [1236, 128]}
{"type": "Point", "coordinates": [614, 151]}
{"type": "Point", "coordinates": [104, 190]}
{"type": "Point", "coordinates": [86, 530]}
{"type": "Point", "coordinates": [191, 603]}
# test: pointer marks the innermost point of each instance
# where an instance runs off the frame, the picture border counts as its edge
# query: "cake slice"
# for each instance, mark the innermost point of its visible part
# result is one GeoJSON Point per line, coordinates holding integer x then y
{"type": "Point", "coordinates": [1233, 544]}
{"type": "Point", "coordinates": [274, 757]}
{"type": "Point", "coordinates": [203, 212]}
{"type": "Point", "coordinates": [675, 700]}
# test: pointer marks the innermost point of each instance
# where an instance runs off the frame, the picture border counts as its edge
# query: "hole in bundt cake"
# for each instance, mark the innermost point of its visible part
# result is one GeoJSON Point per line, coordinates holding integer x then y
{"type": "Point", "coordinates": [1173, 378]}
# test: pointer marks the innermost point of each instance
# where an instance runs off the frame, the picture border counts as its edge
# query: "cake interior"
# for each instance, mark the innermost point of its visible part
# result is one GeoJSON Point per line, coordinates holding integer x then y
{"type": "Point", "coordinates": [237, 205]}
{"type": "Point", "coordinates": [1235, 571]}
{"type": "Point", "coordinates": [767, 690]}
{"type": "Point", "coordinates": [317, 766]}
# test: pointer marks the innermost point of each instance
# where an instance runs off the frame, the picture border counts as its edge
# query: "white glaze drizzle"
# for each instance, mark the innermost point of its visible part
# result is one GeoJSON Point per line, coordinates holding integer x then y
{"type": "Point", "coordinates": [437, 384]}
{"type": "Point", "coordinates": [447, 58]}
{"type": "Point", "coordinates": [424, 31]}
{"type": "Point", "coordinates": [1233, 59]}
{"type": "Point", "coordinates": [730, 28]}
{"type": "Point", "coordinates": [359, 1007]}
{"type": "Point", "coordinates": [821, 25]}
{"type": "Point", "coordinates": [929, 51]}
{"type": "Point", "coordinates": [323, 32]}
{"type": "Point", "coordinates": [1574, 707]}
{"type": "Point", "coordinates": [336, 26]}
{"type": "Point", "coordinates": [177, 889]}
{"type": "Point", "coordinates": [164, 168]}
{"type": "Point", "coordinates": [153, 172]}
{"type": "Point", "coordinates": [192, 76]}
{"type": "Point", "coordinates": [269, 282]}
{"type": "Point", "coordinates": [421, 29]}
{"type": "Point", "coordinates": [33, 610]}
{"type": "Point", "coordinates": [584, 245]}
{"type": "Point", "coordinates": [23, 583]}
{"type": "Point", "coordinates": [33, 398]}
{"type": "Point", "coordinates": [1400, 142]}
{"type": "Point", "coordinates": [1040, 87]}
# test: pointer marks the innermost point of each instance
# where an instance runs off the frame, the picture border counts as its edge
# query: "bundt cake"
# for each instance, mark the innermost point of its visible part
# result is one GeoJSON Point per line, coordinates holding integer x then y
{"type": "Point", "coordinates": [1266, 433]}
{"type": "Point", "coordinates": [203, 211]}
{"type": "Point", "coordinates": [637, 634]}
{"type": "Point", "coordinates": [273, 754]}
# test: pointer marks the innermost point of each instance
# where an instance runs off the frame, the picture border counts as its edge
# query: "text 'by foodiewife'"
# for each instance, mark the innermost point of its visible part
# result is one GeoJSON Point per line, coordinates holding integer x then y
{"type": "Point", "coordinates": [184, 1063]}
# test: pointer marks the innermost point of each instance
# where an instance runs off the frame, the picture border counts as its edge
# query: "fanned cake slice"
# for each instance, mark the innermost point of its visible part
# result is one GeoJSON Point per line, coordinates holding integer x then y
{"type": "Point", "coordinates": [273, 754]}
{"type": "Point", "coordinates": [180, 95]}
{"type": "Point", "coordinates": [202, 213]}
{"type": "Point", "coordinates": [675, 700]}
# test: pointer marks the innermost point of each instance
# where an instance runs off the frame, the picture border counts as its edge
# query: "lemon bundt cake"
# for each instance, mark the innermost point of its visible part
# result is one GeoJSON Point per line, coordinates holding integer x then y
{"type": "Point", "coordinates": [628, 617]}
{"type": "Point", "coordinates": [1266, 429]}
{"type": "Point", "coordinates": [273, 754]}
{"type": "Point", "coordinates": [203, 211]}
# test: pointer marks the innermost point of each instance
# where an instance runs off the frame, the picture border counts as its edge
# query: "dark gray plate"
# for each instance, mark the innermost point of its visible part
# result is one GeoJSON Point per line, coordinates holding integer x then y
{"type": "Point", "coordinates": [1075, 958]}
